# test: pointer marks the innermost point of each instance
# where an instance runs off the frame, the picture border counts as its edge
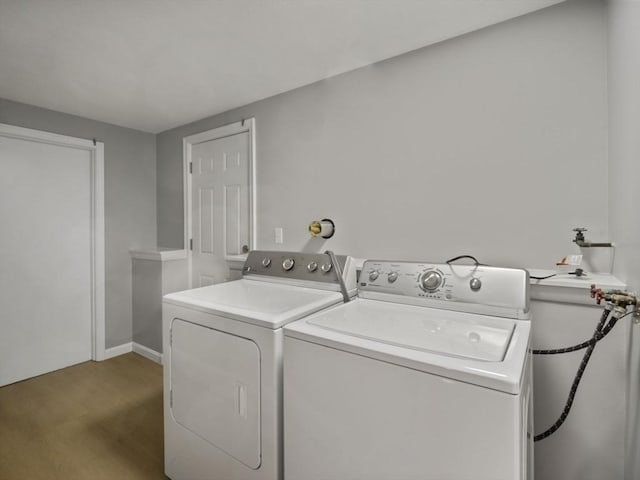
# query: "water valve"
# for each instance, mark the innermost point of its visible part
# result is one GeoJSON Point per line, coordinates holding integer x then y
{"type": "Point", "coordinates": [579, 235]}
{"type": "Point", "coordinates": [580, 241]}
{"type": "Point", "coordinates": [620, 299]}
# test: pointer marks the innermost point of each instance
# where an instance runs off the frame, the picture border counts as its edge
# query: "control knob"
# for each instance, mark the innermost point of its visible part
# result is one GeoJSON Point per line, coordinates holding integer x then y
{"type": "Point", "coordinates": [312, 267]}
{"type": "Point", "coordinates": [288, 264]}
{"type": "Point", "coordinates": [373, 275]}
{"type": "Point", "coordinates": [266, 261]}
{"type": "Point", "coordinates": [326, 267]}
{"type": "Point", "coordinates": [392, 277]}
{"type": "Point", "coordinates": [430, 280]}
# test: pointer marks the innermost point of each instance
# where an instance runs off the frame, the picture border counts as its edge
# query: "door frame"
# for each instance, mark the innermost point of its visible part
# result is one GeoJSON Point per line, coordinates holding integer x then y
{"type": "Point", "coordinates": [96, 151]}
{"type": "Point", "coordinates": [245, 125]}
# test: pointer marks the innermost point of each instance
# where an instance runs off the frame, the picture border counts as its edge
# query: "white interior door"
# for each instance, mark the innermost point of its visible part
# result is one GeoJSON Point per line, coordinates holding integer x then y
{"type": "Point", "coordinates": [45, 258]}
{"type": "Point", "coordinates": [220, 199]}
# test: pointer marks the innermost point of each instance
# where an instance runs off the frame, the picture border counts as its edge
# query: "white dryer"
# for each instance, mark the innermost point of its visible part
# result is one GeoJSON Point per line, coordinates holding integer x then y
{"type": "Point", "coordinates": [223, 363]}
{"type": "Point", "coordinates": [425, 376]}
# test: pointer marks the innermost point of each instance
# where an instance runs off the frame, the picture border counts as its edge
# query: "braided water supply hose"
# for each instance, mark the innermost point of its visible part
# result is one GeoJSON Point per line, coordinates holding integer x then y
{"type": "Point", "coordinates": [618, 301]}
{"type": "Point", "coordinates": [598, 335]}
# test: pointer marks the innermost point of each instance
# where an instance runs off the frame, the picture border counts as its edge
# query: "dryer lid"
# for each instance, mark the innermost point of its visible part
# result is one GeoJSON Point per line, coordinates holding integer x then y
{"type": "Point", "coordinates": [266, 304]}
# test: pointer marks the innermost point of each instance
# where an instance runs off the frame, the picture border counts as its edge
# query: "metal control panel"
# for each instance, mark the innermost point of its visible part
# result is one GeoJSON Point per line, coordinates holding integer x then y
{"type": "Point", "coordinates": [454, 287]}
{"type": "Point", "coordinates": [316, 267]}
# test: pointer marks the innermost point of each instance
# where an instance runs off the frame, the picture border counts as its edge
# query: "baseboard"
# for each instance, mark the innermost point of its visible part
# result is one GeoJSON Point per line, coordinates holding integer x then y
{"type": "Point", "coordinates": [118, 350]}
{"type": "Point", "coordinates": [133, 347]}
{"type": "Point", "coordinates": [147, 353]}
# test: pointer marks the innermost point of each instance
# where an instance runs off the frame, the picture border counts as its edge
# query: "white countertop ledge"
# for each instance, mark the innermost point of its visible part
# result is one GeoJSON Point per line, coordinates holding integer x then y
{"type": "Point", "coordinates": [567, 288]}
{"type": "Point", "coordinates": [159, 253]}
{"type": "Point", "coordinates": [602, 280]}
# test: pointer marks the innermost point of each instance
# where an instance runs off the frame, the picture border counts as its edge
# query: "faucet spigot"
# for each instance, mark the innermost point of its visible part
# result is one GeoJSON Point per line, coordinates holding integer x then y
{"type": "Point", "coordinates": [579, 240]}
{"type": "Point", "coordinates": [579, 235]}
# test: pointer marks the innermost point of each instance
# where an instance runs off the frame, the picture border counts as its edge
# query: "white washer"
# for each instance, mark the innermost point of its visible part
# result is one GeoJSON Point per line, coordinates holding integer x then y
{"type": "Point", "coordinates": [425, 376]}
{"type": "Point", "coordinates": [223, 364]}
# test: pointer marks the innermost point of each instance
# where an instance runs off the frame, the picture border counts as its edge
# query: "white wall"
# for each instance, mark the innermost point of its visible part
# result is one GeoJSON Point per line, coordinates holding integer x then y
{"type": "Point", "coordinates": [493, 144]}
{"type": "Point", "coordinates": [624, 193]}
{"type": "Point", "coordinates": [624, 144]}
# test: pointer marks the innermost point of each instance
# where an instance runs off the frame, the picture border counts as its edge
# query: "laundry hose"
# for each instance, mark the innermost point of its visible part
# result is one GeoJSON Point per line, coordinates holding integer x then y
{"type": "Point", "coordinates": [600, 332]}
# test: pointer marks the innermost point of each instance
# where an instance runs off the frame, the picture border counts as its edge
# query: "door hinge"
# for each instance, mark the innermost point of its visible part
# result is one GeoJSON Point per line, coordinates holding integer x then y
{"type": "Point", "coordinates": [190, 167]}
{"type": "Point", "coordinates": [191, 244]}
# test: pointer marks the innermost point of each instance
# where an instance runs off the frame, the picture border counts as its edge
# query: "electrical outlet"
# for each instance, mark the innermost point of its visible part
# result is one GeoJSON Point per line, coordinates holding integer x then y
{"type": "Point", "coordinates": [278, 235]}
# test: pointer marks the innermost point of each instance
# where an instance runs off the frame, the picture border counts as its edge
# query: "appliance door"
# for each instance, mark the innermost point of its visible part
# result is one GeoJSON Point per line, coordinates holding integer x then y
{"type": "Point", "coordinates": [477, 349]}
{"type": "Point", "coordinates": [457, 334]}
{"type": "Point", "coordinates": [269, 305]}
{"type": "Point", "coordinates": [215, 389]}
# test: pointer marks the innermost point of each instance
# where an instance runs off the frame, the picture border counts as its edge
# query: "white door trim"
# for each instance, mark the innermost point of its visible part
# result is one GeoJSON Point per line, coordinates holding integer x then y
{"type": "Point", "coordinates": [96, 150]}
{"type": "Point", "coordinates": [246, 125]}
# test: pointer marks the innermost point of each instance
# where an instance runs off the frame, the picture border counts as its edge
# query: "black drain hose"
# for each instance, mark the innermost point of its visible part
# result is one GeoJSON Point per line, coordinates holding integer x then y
{"type": "Point", "coordinates": [598, 335]}
{"type": "Point", "coordinates": [600, 332]}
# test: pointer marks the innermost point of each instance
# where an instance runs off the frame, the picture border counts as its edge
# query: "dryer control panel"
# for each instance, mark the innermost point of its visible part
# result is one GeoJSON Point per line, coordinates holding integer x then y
{"type": "Point", "coordinates": [472, 288]}
{"type": "Point", "coordinates": [314, 267]}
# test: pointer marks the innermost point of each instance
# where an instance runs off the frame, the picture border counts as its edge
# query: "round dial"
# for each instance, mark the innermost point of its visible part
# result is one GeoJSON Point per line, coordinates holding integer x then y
{"type": "Point", "coordinates": [312, 267]}
{"type": "Point", "coordinates": [373, 275]}
{"type": "Point", "coordinates": [430, 280]}
{"type": "Point", "coordinates": [288, 264]}
{"type": "Point", "coordinates": [266, 261]}
{"type": "Point", "coordinates": [326, 267]}
{"type": "Point", "coordinates": [392, 277]}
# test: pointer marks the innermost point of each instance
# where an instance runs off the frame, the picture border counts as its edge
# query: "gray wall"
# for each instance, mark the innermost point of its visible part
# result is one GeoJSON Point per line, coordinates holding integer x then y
{"type": "Point", "coordinates": [493, 143]}
{"type": "Point", "coordinates": [147, 303]}
{"type": "Point", "coordinates": [130, 193]}
{"type": "Point", "coordinates": [152, 279]}
{"type": "Point", "coordinates": [624, 195]}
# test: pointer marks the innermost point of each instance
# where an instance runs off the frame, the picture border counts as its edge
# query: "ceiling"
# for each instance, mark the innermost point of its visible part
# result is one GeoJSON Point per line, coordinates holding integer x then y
{"type": "Point", "coordinates": [156, 64]}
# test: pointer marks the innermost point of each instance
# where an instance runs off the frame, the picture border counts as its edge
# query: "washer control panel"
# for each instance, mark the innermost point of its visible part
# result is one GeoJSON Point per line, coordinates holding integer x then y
{"type": "Point", "coordinates": [315, 267]}
{"type": "Point", "coordinates": [406, 278]}
{"type": "Point", "coordinates": [440, 285]}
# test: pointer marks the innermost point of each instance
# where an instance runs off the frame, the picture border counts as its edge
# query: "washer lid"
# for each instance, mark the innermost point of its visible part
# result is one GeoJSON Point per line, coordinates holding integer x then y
{"type": "Point", "coordinates": [438, 331]}
{"type": "Point", "coordinates": [478, 349]}
{"type": "Point", "coordinates": [266, 304]}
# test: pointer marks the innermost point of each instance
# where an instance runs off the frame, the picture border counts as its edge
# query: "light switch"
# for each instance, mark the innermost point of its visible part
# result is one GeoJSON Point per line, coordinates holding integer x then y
{"type": "Point", "coordinates": [278, 235]}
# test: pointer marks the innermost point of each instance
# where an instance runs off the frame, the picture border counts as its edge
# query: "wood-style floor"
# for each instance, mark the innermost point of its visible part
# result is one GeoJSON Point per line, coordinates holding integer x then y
{"type": "Point", "coordinates": [92, 421]}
